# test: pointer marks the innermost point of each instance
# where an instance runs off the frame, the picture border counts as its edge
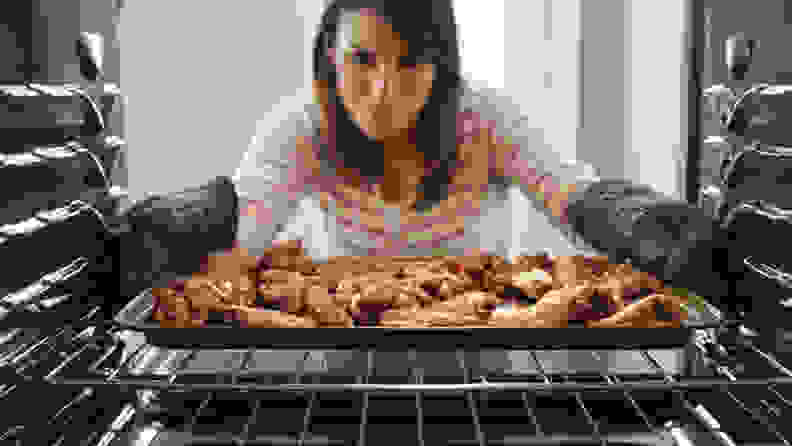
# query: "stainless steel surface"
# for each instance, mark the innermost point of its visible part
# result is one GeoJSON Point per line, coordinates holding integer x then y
{"type": "Point", "coordinates": [475, 397]}
{"type": "Point", "coordinates": [711, 200]}
{"type": "Point", "coordinates": [342, 363]}
{"type": "Point", "coordinates": [137, 315]}
{"type": "Point", "coordinates": [90, 51]}
{"type": "Point", "coordinates": [739, 55]}
{"type": "Point", "coordinates": [782, 278]}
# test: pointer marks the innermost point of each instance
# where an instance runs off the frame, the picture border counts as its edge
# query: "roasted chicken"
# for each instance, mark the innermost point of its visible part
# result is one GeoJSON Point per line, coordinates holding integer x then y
{"type": "Point", "coordinates": [286, 289]}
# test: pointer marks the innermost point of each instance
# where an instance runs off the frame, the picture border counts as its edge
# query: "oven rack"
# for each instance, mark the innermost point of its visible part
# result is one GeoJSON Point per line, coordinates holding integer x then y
{"type": "Point", "coordinates": [750, 387]}
{"type": "Point", "coordinates": [150, 367]}
{"type": "Point", "coordinates": [25, 351]}
{"type": "Point", "coordinates": [85, 353]}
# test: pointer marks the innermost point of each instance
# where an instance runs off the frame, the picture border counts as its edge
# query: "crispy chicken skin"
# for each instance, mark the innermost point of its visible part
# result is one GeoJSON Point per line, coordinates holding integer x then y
{"type": "Point", "coordinates": [254, 317]}
{"type": "Point", "coordinates": [535, 282]}
{"type": "Point", "coordinates": [552, 311]}
{"type": "Point", "coordinates": [657, 310]}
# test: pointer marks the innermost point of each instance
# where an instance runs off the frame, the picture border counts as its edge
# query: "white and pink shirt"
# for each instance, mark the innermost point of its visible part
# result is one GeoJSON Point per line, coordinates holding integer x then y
{"type": "Point", "coordinates": [280, 200]}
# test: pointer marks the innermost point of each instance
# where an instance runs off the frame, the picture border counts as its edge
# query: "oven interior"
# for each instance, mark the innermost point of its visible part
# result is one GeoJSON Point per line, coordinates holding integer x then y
{"type": "Point", "coordinates": [68, 376]}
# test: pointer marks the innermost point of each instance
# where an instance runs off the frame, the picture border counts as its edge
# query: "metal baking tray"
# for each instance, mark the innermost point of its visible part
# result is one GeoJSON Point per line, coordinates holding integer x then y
{"type": "Point", "coordinates": [137, 316]}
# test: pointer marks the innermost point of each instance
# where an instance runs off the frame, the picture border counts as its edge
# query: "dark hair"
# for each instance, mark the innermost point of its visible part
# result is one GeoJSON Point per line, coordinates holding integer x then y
{"type": "Point", "coordinates": [429, 28]}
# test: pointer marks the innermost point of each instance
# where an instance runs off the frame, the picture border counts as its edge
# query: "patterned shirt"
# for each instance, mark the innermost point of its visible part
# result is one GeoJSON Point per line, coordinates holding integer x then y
{"type": "Point", "coordinates": [281, 200]}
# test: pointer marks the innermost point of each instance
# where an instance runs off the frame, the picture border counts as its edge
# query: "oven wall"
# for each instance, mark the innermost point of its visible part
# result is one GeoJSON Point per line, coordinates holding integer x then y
{"type": "Point", "coordinates": [15, 33]}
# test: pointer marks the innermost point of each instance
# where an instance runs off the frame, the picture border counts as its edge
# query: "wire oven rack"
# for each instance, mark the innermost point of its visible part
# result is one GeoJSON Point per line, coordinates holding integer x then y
{"type": "Point", "coordinates": [734, 392]}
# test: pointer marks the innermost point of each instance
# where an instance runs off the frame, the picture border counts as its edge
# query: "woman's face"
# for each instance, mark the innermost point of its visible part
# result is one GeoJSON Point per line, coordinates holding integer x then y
{"type": "Point", "coordinates": [382, 86]}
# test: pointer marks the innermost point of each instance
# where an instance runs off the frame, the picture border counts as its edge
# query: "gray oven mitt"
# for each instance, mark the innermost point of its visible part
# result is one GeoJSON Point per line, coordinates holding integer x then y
{"type": "Point", "coordinates": [668, 238]}
{"type": "Point", "coordinates": [165, 237]}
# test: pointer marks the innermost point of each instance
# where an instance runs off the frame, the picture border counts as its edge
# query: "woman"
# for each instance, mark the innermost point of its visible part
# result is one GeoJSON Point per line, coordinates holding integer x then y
{"type": "Point", "coordinates": [397, 155]}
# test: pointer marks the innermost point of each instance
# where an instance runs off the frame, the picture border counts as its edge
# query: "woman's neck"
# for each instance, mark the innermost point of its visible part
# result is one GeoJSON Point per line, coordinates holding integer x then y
{"type": "Point", "coordinates": [404, 167]}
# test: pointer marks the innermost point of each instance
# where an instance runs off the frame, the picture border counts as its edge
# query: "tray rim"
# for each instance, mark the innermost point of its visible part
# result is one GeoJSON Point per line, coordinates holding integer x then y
{"type": "Point", "coordinates": [220, 337]}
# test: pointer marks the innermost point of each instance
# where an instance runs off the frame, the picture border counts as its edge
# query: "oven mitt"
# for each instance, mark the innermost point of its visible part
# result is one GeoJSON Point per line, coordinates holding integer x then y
{"type": "Point", "coordinates": [169, 236]}
{"type": "Point", "coordinates": [668, 238]}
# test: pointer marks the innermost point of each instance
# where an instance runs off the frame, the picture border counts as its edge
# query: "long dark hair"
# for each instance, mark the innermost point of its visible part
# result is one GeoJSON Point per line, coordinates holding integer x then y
{"type": "Point", "coordinates": [429, 28]}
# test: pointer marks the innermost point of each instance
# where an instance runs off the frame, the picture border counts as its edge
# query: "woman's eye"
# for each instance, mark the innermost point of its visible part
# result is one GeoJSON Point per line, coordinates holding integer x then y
{"type": "Point", "coordinates": [365, 58]}
{"type": "Point", "coordinates": [408, 62]}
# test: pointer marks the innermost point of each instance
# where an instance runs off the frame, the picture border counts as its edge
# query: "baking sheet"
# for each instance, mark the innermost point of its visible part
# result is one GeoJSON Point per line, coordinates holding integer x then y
{"type": "Point", "coordinates": [137, 315]}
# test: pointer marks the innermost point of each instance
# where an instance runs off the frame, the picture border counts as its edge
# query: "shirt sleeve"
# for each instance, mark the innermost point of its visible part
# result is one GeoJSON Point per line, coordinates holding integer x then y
{"type": "Point", "coordinates": [270, 180]}
{"type": "Point", "coordinates": [532, 161]}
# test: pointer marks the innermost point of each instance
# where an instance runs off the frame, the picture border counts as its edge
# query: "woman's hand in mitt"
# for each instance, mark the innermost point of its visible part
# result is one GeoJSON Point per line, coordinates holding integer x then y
{"type": "Point", "coordinates": [230, 263]}
{"type": "Point", "coordinates": [169, 236]}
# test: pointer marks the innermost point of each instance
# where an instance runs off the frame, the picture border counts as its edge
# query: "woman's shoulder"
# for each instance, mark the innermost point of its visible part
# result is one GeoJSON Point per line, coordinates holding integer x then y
{"type": "Point", "coordinates": [273, 153]}
{"type": "Point", "coordinates": [488, 104]}
{"type": "Point", "coordinates": [293, 116]}
{"type": "Point", "coordinates": [290, 122]}
{"type": "Point", "coordinates": [484, 107]}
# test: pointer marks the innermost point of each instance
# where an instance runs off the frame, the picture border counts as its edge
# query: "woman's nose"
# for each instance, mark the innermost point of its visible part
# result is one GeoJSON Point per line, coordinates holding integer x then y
{"type": "Point", "coordinates": [382, 82]}
{"type": "Point", "coordinates": [379, 85]}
